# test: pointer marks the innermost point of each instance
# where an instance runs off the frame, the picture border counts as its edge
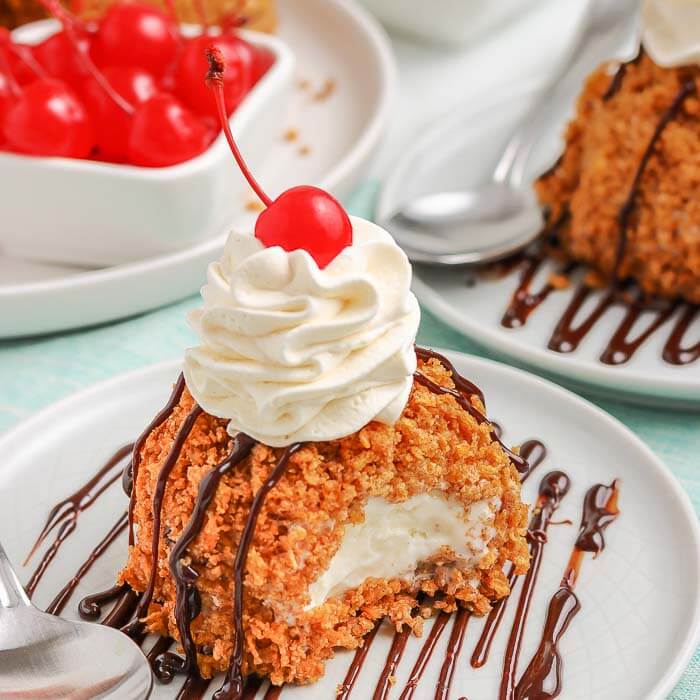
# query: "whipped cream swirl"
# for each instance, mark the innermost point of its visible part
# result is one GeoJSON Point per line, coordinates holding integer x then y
{"type": "Point", "coordinates": [291, 353]}
{"type": "Point", "coordinates": [671, 31]}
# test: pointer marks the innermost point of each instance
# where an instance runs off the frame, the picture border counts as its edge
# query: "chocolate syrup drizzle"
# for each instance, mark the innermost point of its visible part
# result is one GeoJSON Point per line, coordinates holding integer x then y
{"type": "Point", "coordinates": [553, 488]}
{"type": "Point", "coordinates": [344, 689]}
{"type": "Point", "coordinates": [188, 604]}
{"type": "Point", "coordinates": [57, 605]}
{"type": "Point", "coordinates": [63, 517]}
{"type": "Point", "coordinates": [232, 689]}
{"type": "Point", "coordinates": [619, 76]}
{"type": "Point", "coordinates": [132, 470]}
{"type": "Point", "coordinates": [90, 607]}
{"type": "Point", "coordinates": [542, 679]}
{"type": "Point", "coordinates": [599, 510]}
{"type": "Point", "coordinates": [384, 685]}
{"type": "Point", "coordinates": [461, 393]}
{"type": "Point", "coordinates": [158, 495]}
{"type": "Point", "coordinates": [454, 647]}
{"type": "Point", "coordinates": [424, 655]}
{"type": "Point", "coordinates": [569, 332]}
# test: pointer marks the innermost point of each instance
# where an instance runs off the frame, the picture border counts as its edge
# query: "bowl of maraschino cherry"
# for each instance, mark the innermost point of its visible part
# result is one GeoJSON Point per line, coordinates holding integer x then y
{"type": "Point", "coordinates": [110, 145]}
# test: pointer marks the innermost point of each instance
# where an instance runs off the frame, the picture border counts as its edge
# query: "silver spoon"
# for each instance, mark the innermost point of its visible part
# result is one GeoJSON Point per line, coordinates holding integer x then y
{"type": "Point", "coordinates": [499, 218]}
{"type": "Point", "coordinates": [43, 656]}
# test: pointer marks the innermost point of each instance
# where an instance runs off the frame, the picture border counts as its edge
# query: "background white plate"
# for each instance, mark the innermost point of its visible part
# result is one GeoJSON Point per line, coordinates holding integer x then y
{"type": "Point", "coordinates": [640, 611]}
{"type": "Point", "coordinates": [480, 129]}
{"type": "Point", "coordinates": [331, 39]}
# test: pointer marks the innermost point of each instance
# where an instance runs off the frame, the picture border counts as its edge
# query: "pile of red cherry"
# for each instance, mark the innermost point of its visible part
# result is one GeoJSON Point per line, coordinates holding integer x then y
{"type": "Point", "coordinates": [126, 89]}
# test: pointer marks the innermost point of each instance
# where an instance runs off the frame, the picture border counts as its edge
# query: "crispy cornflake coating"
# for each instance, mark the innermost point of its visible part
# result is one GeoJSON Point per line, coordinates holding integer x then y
{"type": "Point", "coordinates": [604, 146]}
{"type": "Point", "coordinates": [435, 446]}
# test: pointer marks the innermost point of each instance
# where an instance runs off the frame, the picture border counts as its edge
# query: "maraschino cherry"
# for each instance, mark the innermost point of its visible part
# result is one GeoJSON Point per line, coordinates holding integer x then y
{"type": "Point", "coordinates": [60, 59]}
{"type": "Point", "coordinates": [9, 89]}
{"type": "Point", "coordinates": [48, 119]}
{"type": "Point", "coordinates": [112, 121]}
{"type": "Point", "coordinates": [164, 133]}
{"type": "Point", "coordinates": [20, 59]}
{"type": "Point", "coordinates": [5, 94]}
{"type": "Point", "coordinates": [302, 218]}
{"type": "Point", "coordinates": [45, 117]}
{"type": "Point", "coordinates": [132, 34]}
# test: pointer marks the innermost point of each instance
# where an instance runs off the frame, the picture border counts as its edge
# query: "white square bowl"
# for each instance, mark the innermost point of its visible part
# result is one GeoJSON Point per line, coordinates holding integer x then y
{"type": "Point", "coordinates": [83, 212]}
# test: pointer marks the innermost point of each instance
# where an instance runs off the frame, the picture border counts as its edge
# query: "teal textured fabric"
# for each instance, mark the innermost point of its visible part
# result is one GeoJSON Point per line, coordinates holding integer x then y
{"type": "Point", "coordinates": [34, 372]}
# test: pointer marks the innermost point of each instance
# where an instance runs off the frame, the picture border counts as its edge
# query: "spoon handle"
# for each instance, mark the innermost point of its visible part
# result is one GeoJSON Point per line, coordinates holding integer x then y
{"type": "Point", "coordinates": [593, 43]}
{"type": "Point", "coordinates": [12, 594]}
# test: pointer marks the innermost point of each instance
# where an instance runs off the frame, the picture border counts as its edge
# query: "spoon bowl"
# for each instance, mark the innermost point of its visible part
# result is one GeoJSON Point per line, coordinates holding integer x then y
{"type": "Point", "coordinates": [44, 656]}
{"type": "Point", "coordinates": [499, 217]}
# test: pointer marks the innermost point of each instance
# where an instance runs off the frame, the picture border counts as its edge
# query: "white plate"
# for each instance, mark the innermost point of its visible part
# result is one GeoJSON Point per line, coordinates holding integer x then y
{"type": "Point", "coordinates": [480, 128]}
{"type": "Point", "coordinates": [331, 39]}
{"type": "Point", "coordinates": [639, 621]}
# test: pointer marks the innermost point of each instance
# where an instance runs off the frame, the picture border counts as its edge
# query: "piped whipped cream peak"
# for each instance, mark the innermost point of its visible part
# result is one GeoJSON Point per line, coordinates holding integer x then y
{"type": "Point", "coordinates": [290, 352]}
{"type": "Point", "coordinates": [671, 31]}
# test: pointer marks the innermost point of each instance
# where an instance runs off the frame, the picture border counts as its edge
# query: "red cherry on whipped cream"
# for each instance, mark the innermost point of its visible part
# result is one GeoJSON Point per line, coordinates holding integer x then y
{"type": "Point", "coordinates": [301, 218]}
{"type": "Point", "coordinates": [306, 218]}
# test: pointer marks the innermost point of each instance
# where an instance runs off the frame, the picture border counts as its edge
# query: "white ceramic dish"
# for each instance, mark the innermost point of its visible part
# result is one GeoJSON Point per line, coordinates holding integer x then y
{"type": "Point", "coordinates": [330, 39]}
{"type": "Point", "coordinates": [86, 213]}
{"type": "Point", "coordinates": [639, 621]}
{"type": "Point", "coordinates": [452, 21]}
{"type": "Point", "coordinates": [482, 127]}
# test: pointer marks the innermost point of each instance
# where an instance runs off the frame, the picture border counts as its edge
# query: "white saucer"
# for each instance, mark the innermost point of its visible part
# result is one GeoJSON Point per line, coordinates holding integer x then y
{"type": "Point", "coordinates": [640, 616]}
{"type": "Point", "coordinates": [480, 128]}
{"type": "Point", "coordinates": [332, 40]}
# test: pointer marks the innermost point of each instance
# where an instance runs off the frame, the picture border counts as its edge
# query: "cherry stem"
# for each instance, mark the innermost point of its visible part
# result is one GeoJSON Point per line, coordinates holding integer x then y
{"type": "Point", "coordinates": [69, 23]}
{"type": "Point", "coordinates": [24, 54]}
{"type": "Point", "coordinates": [215, 80]}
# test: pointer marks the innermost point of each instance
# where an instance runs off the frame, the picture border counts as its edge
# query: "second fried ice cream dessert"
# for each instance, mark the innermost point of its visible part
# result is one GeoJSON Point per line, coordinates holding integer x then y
{"type": "Point", "coordinates": [615, 123]}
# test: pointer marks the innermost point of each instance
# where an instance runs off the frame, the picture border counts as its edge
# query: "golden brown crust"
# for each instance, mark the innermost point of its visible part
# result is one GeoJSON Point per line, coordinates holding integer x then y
{"type": "Point", "coordinates": [260, 15]}
{"type": "Point", "coordinates": [435, 445]}
{"type": "Point", "coordinates": [604, 145]}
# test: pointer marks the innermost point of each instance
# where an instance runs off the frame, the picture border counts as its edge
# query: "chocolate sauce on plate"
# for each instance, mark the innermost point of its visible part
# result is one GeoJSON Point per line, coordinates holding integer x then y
{"type": "Point", "coordinates": [59, 602]}
{"type": "Point", "coordinates": [454, 646]}
{"type": "Point", "coordinates": [542, 679]}
{"type": "Point", "coordinates": [393, 658]}
{"type": "Point", "coordinates": [553, 488]}
{"type": "Point", "coordinates": [424, 655]}
{"type": "Point", "coordinates": [345, 688]}
{"type": "Point", "coordinates": [63, 517]}
{"type": "Point", "coordinates": [570, 330]}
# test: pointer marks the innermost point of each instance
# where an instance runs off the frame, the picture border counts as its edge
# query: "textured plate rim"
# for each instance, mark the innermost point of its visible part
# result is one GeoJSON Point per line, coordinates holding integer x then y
{"type": "Point", "coordinates": [16, 437]}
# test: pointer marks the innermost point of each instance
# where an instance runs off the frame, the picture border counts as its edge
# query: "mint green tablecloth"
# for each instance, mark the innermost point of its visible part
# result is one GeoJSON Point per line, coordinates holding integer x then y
{"type": "Point", "coordinates": [35, 372]}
